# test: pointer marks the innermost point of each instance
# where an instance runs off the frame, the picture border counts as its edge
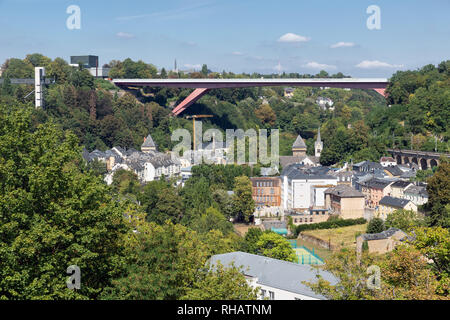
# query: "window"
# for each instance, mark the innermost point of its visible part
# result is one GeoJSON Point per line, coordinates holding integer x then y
{"type": "Point", "coordinates": [263, 293]}
{"type": "Point", "coordinates": [271, 295]}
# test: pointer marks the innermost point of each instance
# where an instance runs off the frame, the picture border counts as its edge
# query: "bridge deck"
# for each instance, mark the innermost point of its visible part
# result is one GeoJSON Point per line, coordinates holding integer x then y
{"type": "Point", "coordinates": [201, 86]}
{"type": "Point", "coordinates": [362, 83]}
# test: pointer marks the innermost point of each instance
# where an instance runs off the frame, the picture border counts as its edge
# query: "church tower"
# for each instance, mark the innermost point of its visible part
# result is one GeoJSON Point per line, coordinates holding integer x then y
{"type": "Point", "coordinates": [299, 147]}
{"type": "Point", "coordinates": [318, 145]}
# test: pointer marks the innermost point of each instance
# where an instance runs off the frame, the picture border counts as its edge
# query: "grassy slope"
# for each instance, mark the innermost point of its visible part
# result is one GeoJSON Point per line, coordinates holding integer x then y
{"type": "Point", "coordinates": [340, 237]}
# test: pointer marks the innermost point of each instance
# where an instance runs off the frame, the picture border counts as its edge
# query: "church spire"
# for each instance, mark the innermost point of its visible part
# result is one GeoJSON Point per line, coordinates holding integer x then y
{"type": "Point", "coordinates": [318, 145]}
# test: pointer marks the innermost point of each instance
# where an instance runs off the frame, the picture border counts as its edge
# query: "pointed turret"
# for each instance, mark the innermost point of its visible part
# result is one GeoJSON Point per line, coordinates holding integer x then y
{"type": "Point", "coordinates": [148, 144]}
{"type": "Point", "coordinates": [299, 147]}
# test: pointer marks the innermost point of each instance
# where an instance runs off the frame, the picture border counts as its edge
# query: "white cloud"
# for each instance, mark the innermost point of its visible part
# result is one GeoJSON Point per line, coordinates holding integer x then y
{"type": "Point", "coordinates": [237, 53]}
{"type": "Point", "coordinates": [316, 65]}
{"type": "Point", "coordinates": [366, 64]}
{"type": "Point", "coordinates": [190, 43]}
{"type": "Point", "coordinates": [192, 66]}
{"type": "Point", "coordinates": [292, 37]}
{"type": "Point", "coordinates": [125, 35]}
{"type": "Point", "coordinates": [342, 44]}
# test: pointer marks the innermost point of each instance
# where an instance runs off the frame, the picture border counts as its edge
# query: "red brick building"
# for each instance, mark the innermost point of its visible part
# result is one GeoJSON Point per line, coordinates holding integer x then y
{"type": "Point", "coordinates": [266, 191]}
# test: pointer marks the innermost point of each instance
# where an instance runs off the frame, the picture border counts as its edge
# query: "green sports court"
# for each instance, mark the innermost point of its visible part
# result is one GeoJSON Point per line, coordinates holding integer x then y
{"type": "Point", "coordinates": [304, 255]}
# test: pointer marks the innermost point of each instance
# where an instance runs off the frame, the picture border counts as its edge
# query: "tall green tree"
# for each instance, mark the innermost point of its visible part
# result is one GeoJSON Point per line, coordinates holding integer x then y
{"type": "Point", "coordinates": [53, 213]}
{"type": "Point", "coordinates": [438, 188]}
{"type": "Point", "coordinates": [243, 203]}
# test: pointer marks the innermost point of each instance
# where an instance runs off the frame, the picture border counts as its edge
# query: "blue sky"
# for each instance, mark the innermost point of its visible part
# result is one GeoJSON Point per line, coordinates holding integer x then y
{"type": "Point", "coordinates": [235, 35]}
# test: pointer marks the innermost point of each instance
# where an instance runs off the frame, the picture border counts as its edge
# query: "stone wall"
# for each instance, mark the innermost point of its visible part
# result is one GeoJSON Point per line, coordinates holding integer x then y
{"type": "Point", "coordinates": [317, 241]}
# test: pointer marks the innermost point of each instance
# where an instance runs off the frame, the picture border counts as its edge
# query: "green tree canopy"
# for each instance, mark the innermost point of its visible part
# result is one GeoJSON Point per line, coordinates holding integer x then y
{"type": "Point", "coordinates": [53, 214]}
{"type": "Point", "coordinates": [273, 245]}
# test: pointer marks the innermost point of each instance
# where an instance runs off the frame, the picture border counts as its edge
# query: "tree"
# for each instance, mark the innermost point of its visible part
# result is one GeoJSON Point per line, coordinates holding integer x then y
{"type": "Point", "coordinates": [221, 283]}
{"type": "Point", "coordinates": [212, 219]}
{"type": "Point", "coordinates": [375, 225]}
{"type": "Point", "coordinates": [350, 274]}
{"type": "Point", "coordinates": [163, 73]}
{"type": "Point", "coordinates": [243, 203]}
{"type": "Point", "coordinates": [125, 182]}
{"type": "Point", "coordinates": [165, 261]}
{"type": "Point", "coordinates": [404, 275]}
{"type": "Point", "coordinates": [404, 220]}
{"type": "Point", "coordinates": [438, 188]}
{"type": "Point", "coordinates": [266, 115]}
{"type": "Point", "coordinates": [251, 239]}
{"type": "Point", "coordinates": [434, 243]}
{"type": "Point", "coordinates": [162, 202]}
{"type": "Point", "coordinates": [53, 213]}
{"type": "Point", "coordinates": [273, 245]}
{"type": "Point", "coordinates": [205, 70]}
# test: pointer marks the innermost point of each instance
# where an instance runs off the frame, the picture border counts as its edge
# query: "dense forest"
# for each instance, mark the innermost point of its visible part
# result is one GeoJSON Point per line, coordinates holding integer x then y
{"type": "Point", "coordinates": [360, 127]}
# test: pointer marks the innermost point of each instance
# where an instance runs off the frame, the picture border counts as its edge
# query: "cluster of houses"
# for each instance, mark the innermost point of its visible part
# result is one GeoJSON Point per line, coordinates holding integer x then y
{"type": "Point", "coordinates": [311, 193]}
{"type": "Point", "coordinates": [148, 164]}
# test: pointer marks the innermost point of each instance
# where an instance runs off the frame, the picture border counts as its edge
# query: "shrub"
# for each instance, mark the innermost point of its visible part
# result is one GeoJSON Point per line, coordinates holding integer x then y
{"type": "Point", "coordinates": [375, 225]}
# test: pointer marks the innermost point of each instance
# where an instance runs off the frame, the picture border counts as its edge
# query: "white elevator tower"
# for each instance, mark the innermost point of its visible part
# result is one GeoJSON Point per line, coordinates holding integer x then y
{"type": "Point", "coordinates": [39, 81]}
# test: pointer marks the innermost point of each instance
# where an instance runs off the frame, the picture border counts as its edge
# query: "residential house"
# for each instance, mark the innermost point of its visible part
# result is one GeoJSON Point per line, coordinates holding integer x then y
{"type": "Point", "coordinates": [148, 164]}
{"type": "Point", "coordinates": [374, 190]}
{"type": "Point", "coordinates": [345, 201]}
{"type": "Point", "coordinates": [387, 162]}
{"type": "Point", "coordinates": [389, 204]}
{"type": "Point", "coordinates": [325, 103]}
{"type": "Point", "coordinates": [288, 92]}
{"type": "Point", "coordinates": [277, 279]}
{"type": "Point", "coordinates": [416, 194]}
{"type": "Point", "coordinates": [398, 187]}
{"type": "Point", "coordinates": [393, 171]}
{"type": "Point", "coordinates": [344, 177]}
{"type": "Point", "coordinates": [366, 166]}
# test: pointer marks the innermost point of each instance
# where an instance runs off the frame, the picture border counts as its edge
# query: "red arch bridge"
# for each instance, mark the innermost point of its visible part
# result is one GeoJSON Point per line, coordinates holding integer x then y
{"type": "Point", "coordinates": [202, 86]}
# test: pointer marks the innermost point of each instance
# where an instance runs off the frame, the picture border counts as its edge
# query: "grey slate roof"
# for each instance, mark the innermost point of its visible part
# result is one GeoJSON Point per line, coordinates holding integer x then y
{"type": "Point", "coordinates": [382, 235]}
{"type": "Point", "coordinates": [296, 171]}
{"type": "Point", "coordinates": [344, 191]}
{"type": "Point", "coordinates": [276, 273]}
{"type": "Point", "coordinates": [287, 160]}
{"type": "Point", "coordinates": [417, 190]}
{"type": "Point", "coordinates": [394, 170]}
{"type": "Point", "coordinates": [393, 202]}
{"type": "Point", "coordinates": [400, 184]}
{"type": "Point", "coordinates": [377, 183]}
{"type": "Point", "coordinates": [367, 165]}
{"type": "Point", "coordinates": [299, 143]}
